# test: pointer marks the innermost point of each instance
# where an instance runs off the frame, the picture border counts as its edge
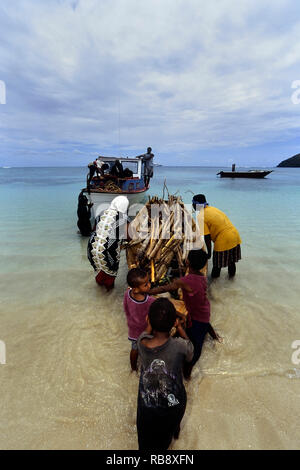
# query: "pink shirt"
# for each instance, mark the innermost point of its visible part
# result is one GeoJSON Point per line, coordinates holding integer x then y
{"type": "Point", "coordinates": [136, 313]}
{"type": "Point", "coordinates": [197, 304]}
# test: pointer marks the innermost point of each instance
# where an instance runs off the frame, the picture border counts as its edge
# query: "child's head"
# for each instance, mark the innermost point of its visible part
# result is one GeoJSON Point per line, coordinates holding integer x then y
{"type": "Point", "coordinates": [197, 259]}
{"type": "Point", "coordinates": [138, 280]}
{"type": "Point", "coordinates": [162, 315]}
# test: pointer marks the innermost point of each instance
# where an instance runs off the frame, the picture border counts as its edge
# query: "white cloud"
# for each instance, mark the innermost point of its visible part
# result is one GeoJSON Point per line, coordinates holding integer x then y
{"type": "Point", "coordinates": [180, 75]}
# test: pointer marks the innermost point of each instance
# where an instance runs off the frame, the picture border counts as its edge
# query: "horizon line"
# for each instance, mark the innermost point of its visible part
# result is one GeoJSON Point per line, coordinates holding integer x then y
{"type": "Point", "coordinates": [161, 166]}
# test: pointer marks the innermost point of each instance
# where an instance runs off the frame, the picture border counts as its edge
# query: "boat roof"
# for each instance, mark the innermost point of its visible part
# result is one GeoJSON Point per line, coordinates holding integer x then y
{"type": "Point", "coordinates": [127, 159]}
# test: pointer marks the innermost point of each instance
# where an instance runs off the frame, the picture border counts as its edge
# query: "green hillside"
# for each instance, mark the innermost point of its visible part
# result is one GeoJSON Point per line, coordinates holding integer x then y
{"type": "Point", "coordinates": [291, 162]}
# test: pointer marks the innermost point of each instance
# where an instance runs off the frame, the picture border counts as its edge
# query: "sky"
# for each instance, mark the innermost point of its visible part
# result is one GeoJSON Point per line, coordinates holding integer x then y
{"type": "Point", "coordinates": [202, 83]}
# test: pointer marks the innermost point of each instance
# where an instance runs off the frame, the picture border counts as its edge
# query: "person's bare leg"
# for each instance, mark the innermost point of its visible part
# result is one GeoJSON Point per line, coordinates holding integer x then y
{"type": "Point", "coordinates": [133, 359]}
{"type": "Point", "coordinates": [213, 334]}
{"type": "Point", "coordinates": [187, 370]}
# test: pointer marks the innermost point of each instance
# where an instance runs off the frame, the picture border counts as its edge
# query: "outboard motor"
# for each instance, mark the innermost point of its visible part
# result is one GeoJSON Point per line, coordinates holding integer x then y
{"type": "Point", "coordinates": [84, 215]}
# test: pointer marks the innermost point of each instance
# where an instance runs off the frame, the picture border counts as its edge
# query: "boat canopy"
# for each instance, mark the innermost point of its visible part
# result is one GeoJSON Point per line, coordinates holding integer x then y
{"type": "Point", "coordinates": [133, 164]}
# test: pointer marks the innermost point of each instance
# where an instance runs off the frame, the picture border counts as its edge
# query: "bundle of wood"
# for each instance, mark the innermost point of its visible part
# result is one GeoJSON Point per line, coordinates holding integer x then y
{"type": "Point", "coordinates": [110, 186]}
{"type": "Point", "coordinates": [162, 234]}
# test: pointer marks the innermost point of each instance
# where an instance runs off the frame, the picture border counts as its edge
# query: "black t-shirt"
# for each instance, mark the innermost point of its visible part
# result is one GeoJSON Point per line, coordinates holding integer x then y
{"type": "Point", "coordinates": [161, 384]}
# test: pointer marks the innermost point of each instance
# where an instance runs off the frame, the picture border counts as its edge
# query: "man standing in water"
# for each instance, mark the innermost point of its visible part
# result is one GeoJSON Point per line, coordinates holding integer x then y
{"type": "Point", "coordinates": [147, 159]}
{"type": "Point", "coordinates": [219, 229]}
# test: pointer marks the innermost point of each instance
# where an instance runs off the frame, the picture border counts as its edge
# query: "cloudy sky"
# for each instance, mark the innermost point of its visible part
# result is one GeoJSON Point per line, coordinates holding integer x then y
{"type": "Point", "coordinates": [202, 83]}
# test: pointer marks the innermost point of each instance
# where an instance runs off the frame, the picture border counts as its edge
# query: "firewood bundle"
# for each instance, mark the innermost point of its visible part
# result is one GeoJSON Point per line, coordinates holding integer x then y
{"type": "Point", "coordinates": [162, 234]}
{"type": "Point", "coordinates": [110, 186]}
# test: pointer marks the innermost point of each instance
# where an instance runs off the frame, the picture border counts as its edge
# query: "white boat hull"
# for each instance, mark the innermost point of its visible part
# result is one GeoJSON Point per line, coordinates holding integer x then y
{"type": "Point", "coordinates": [101, 200]}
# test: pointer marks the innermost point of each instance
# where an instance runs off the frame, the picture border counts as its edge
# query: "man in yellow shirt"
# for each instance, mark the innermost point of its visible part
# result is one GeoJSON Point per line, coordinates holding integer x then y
{"type": "Point", "coordinates": [219, 229]}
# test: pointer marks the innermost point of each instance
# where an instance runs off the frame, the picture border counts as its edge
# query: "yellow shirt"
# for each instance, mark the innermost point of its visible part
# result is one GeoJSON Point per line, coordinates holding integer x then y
{"type": "Point", "coordinates": [222, 232]}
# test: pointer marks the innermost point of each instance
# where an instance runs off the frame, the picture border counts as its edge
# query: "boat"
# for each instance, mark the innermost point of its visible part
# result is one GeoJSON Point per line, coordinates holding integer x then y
{"type": "Point", "coordinates": [243, 174]}
{"type": "Point", "coordinates": [101, 190]}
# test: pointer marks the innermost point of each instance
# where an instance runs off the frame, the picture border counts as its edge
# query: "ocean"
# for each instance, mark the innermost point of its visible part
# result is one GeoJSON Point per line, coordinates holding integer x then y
{"type": "Point", "coordinates": [67, 383]}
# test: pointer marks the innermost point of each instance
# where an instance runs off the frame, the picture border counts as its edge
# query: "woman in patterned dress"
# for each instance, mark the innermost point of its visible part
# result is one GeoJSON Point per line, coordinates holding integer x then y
{"type": "Point", "coordinates": [104, 243]}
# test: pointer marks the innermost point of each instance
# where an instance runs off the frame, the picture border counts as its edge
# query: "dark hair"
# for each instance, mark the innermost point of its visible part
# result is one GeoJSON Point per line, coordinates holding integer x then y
{"type": "Point", "coordinates": [197, 259]}
{"type": "Point", "coordinates": [134, 276]}
{"type": "Point", "coordinates": [162, 315]}
{"type": "Point", "coordinates": [198, 199]}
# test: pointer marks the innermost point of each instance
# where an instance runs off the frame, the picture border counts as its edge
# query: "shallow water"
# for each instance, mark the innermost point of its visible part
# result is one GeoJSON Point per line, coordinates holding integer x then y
{"type": "Point", "coordinates": [67, 382]}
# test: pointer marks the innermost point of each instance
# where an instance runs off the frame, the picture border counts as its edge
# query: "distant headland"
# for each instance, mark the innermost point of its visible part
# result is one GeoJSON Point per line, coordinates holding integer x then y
{"type": "Point", "coordinates": [292, 162]}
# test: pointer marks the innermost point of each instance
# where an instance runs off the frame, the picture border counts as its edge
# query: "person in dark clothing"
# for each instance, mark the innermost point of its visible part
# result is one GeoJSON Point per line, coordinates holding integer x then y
{"type": "Point", "coordinates": [117, 169]}
{"type": "Point", "coordinates": [127, 173]}
{"type": "Point", "coordinates": [147, 159]}
{"type": "Point", "coordinates": [104, 169]}
{"type": "Point", "coordinates": [162, 396]}
{"type": "Point", "coordinates": [84, 215]}
{"type": "Point", "coordinates": [92, 168]}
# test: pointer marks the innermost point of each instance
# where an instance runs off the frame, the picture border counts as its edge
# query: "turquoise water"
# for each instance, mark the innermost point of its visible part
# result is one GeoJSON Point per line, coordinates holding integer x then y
{"type": "Point", "coordinates": [67, 383]}
{"type": "Point", "coordinates": [38, 214]}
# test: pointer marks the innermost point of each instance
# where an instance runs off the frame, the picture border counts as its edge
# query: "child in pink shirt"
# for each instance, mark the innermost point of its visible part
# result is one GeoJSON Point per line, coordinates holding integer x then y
{"type": "Point", "coordinates": [136, 306]}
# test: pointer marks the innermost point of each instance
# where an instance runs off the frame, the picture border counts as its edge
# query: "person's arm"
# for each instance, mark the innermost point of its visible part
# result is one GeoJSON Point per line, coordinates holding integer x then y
{"type": "Point", "coordinates": [128, 231]}
{"type": "Point", "coordinates": [124, 230]}
{"type": "Point", "coordinates": [176, 284]}
{"type": "Point", "coordinates": [125, 306]}
{"type": "Point", "coordinates": [126, 237]}
{"type": "Point", "coordinates": [180, 330]}
{"type": "Point", "coordinates": [181, 317]}
{"type": "Point", "coordinates": [148, 330]}
{"type": "Point", "coordinates": [189, 353]}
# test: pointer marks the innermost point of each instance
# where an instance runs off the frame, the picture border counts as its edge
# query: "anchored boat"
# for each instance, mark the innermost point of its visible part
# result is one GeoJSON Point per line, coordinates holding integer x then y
{"type": "Point", "coordinates": [243, 174]}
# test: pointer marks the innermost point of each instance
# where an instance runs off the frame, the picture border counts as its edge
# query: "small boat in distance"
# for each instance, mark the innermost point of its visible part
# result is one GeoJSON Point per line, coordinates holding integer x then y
{"type": "Point", "coordinates": [243, 174]}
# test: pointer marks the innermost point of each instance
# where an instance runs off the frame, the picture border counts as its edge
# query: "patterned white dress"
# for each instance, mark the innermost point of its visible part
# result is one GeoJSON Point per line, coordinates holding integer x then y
{"type": "Point", "coordinates": [104, 243]}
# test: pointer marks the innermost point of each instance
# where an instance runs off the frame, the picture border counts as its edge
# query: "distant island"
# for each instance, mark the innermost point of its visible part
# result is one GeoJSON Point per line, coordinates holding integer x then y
{"type": "Point", "coordinates": [292, 162]}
